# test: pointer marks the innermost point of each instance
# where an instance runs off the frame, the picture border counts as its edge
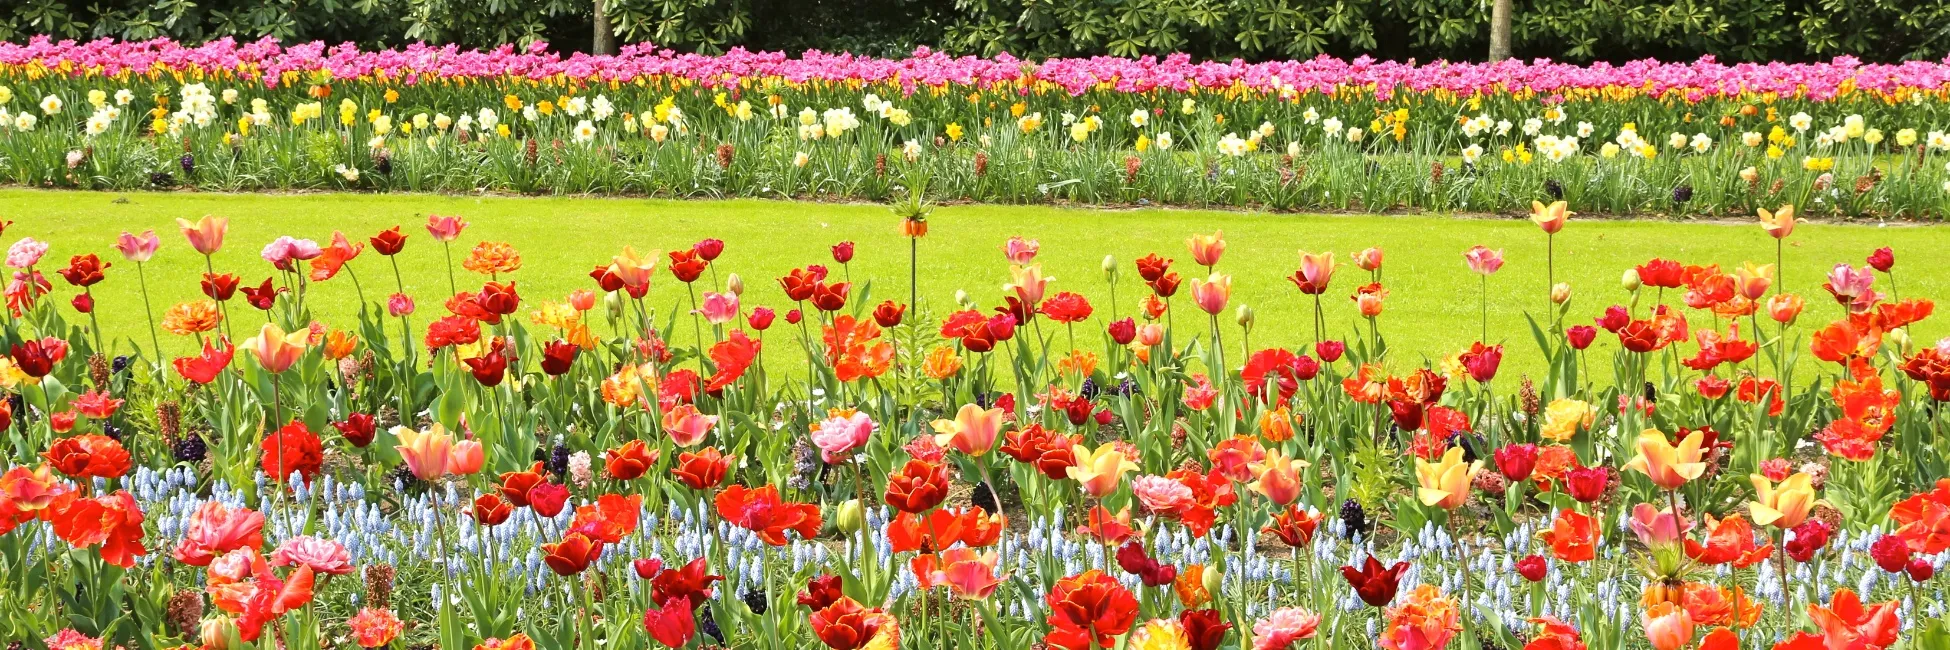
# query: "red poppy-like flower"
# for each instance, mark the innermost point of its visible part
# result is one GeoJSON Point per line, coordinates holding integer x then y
{"type": "Point", "coordinates": [452, 330]}
{"type": "Point", "coordinates": [1664, 274]}
{"type": "Point", "coordinates": [113, 521]}
{"type": "Point", "coordinates": [1273, 365]}
{"type": "Point", "coordinates": [687, 265]}
{"type": "Point", "coordinates": [703, 469]}
{"type": "Point", "coordinates": [611, 518]}
{"type": "Point", "coordinates": [263, 296]}
{"type": "Point", "coordinates": [1729, 541]}
{"type": "Point", "coordinates": [1067, 307]}
{"type": "Point", "coordinates": [1573, 537]}
{"type": "Point", "coordinates": [204, 368]}
{"type": "Point", "coordinates": [917, 486]}
{"type": "Point", "coordinates": [693, 581]}
{"type": "Point", "coordinates": [1089, 608]}
{"type": "Point", "coordinates": [846, 625]}
{"type": "Point", "coordinates": [572, 555]}
{"type": "Point", "coordinates": [732, 357]}
{"type": "Point", "coordinates": [388, 242]}
{"type": "Point", "coordinates": [491, 509]}
{"type": "Point", "coordinates": [628, 461]}
{"type": "Point", "coordinates": [672, 623]}
{"type": "Point", "coordinates": [84, 270]}
{"type": "Point", "coordinates": [763, 512]}
{"type": "Point", "coordinates": [88, 456]}
{"type": "Point", "coordinates": [1375, 583]}
{"type": "Point", "coordinates": [1847, 623]}
{"type": "Point", "coordinates": [293, 448]}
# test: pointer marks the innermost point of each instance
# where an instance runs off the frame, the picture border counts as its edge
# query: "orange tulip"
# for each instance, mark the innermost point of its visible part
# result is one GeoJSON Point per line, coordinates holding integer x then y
{"type": "Point", "coordinates": [1550, 217]}
{"type": "Point", "coordinates": [1784, 308]}
{"type": "Point", "coordinates": [972, 432]}
{"type": "Point", "coordinates": [276, 350]}
{"type": "Point", "coordinates": [970, 573]}
{"type": "Point", "coordinates": [634, 270]}
{"type": "Point", "coordinates": [1753, 281]}
{"type": "Point", "coordinates": [1206, 249]}
{"type": "Point", "coordinates": [1668, 466]}
{"type": "Point", "coordinates": [1100, 471]}
{"type": "Point", "coordinates": [206, 234]}
{"type": "Point", "coordinates": [1779, 223]}
{"type": "Point", "coordinates": [428, 452]}
{"type": "Point", "coordinates": [1446, 484]}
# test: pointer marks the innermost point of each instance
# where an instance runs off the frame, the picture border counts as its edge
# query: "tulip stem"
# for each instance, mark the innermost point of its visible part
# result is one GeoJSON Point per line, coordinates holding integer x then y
{"type": "Point", "coordinates": [149, 312]}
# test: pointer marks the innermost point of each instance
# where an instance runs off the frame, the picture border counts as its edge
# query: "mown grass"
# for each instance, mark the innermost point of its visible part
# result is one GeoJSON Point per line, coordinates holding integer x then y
{"type": "Point", "coordinates": [1432, 310]}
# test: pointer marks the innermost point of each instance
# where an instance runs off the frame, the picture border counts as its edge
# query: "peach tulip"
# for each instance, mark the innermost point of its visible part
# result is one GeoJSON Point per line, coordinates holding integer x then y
{"type": "Point", "coordinates": [427, 453]}
{"type": "Point", "coordinates": [1368, 259]}
{"type": "Point", "coordinates": [1206, 249]}
{"type": "Point", "coordinates": [1100, 471]}
{"type": "Point", "coordinates": [1550, 217]}
{"type": "Point", "coordinates": [276, 350]}
{"type": "Point", "coordinates": [1779, 223]}
{"type": "Point", "coordinates": [1785, 505]}
{"type": "Point", "coordinates": [1150, 334]}
{"type": "Point", "coordinates": [1446, 484]}
{"type": "Point", "coordinates": [467, 457]}
{"type": "Point", "coordinates": [1316, 271]}
{"type": "Point", "coordinates": [1028, 283]}
{"type": "Point", "coordinates": [1212, 293]}
{"type": "Point", "coordinates": [206, 235]}
{"type": "Point", "coordinates": [1784, 308]}
{"type": "Point", "coordinates": [968, 572]}
{"type": "Point", "coordinates": [1668, 466]}
{"type": "Point", "coordinates": [634, 270]}
{"type": "Point", "coordinates": [972, 432]}
{"type": "Point", "coordinates": [1667, 626]}
{"type": "Point", "coordinates": [1753, 281]}
{"type": "Point", "coordinates": [688, 426]}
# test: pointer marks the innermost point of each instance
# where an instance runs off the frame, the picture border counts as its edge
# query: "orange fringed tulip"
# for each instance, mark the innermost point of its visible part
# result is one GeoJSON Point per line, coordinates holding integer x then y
{"type": "Point", "coordinates": [1446, 484]}
{"type": "Point", "coordinates": [1668, 466]}
{"type": "Point", "coordinates": [276, 349]}
{"type": "Point", "coordinates": [1551, 217]}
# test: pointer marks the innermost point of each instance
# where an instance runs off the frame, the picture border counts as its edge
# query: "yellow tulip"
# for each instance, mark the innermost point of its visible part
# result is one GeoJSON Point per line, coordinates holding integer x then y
{"type": "Point", "coordinates": [1785, 505]}
{"type": "Point", "coordinates": [1100, 472]}
{"type": "Point", "coordinates": [275, 349]}
{"type": "Point", "coordinates": [1446, 484]}
{"type": "Point", "coordinates": [1668, 466]}
{"type": "Point", "coordinates": [1279, 478]}
{"type": "Point", "coordinates": [634, 270]}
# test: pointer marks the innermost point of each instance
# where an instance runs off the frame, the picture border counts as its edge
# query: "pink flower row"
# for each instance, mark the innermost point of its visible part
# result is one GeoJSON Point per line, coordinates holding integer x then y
{"type": "Point", "coordinates": [1698, 80]}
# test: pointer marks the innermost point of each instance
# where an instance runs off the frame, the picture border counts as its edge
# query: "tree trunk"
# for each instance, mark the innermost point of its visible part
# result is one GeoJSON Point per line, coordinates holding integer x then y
{"type": "Point", "coordinates": [1500, 11]}
{"type": "Point", "coordinates": [605, 41]}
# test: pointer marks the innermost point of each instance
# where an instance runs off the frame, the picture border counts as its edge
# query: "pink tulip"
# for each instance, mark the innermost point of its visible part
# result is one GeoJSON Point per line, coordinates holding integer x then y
{"type": "Point", "coordinates": [838, 436]}
{"type": "Point", "coordinates": [427, 453]}
{"type": "Point", "coordinates": [399, 304]}
{"type": "Point", "coordinates": [1019, 250]}
{"type": "Point", "coordinates": [719, 308]}
{"type": "Point", "coordinates": [445, 229]}
{"type": "Point", "coordinates": [1369, 259]}
{"type": "Point", "coordinates": [688, 427]}
{"type": "Point", "coordinates": [136, 248]}
{"type": "Point", "coordinates": [466, 458]}
{"type": "Point", "coordinates": [1483, 260]}
{"type": "Point", "coordinates": [1212, 293]}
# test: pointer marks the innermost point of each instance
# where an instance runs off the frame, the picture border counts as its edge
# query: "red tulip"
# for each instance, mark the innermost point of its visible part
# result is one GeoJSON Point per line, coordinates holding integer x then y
{"type": "Point", "coordinates": [292, 449]}
{"type": "Point", "coordinates": [548, 499]}
{"type": "Point", "coordinates": [629, 461]}
{"type": "Point", "coordinates": [558, 357]}
{"type": "Point", "coordinates": [917, 487]}
{"type": "Point", "coordinates": [491, 368]}
{"type": "Point", "coordinates": [843, 252]}
{"type": "Point", "coordinates": [1516, 462]}
{"type": "Point", "coordinates": [1580, 336]}
{"type": "Point", "coordinates": [701, 470]}
{"type": "Point", "coordinates": [709, 249]}
{"type": "Point", "coordinates": [498, 299]}
{"type": "Point", "coordinates": [1533, 568]}
{"type": "Point", "coordinates": [219, 287]}
{"type": "Point", "coordinates": [1374, 583]}
{"type": "Point", "coordinates": [821, 592]}
{"type": "Point", "coordinates": [888, 314]}
{"type": "Point", "coordinates": [760, 319]}
{"type": "Point", "coordinates": [1132, 559]}
{"type": "Point", "coordinates": [830, 297]}
{"type": "Point", "coordinates": [1205, 629]}
{"type": "Point", "coordinates": [358, 429]}
{"type": "Point", "coordinates": [88, 456]}
{"type": "Point", "coordinates": [692, 581]}
{"type": "Point", "coordinates": [687, 265]}
{"type": "Point", "coordinates": [491, 510]}
{"type": "Point", "coordinates": [388, 242]}
{"type": "Point", "coordinates": [763, 512]}
{"type": "Point", "coordinates": [84, 270]}
{"type": "Point", "coordinates": [263, 296]}
{"type": "Point", "coordinates": [1123, 331]}
{"type": "Point", "coordinates": [572, 555]}
{"type": "Point", "coordinates": [203, 369]}
{"type": "Point", "coordinates": [1883, 259]}
{"type": "Point", "coordinates": [1089, 608]}
{"type": "Point", "coordinates": [1587, 484]}
{"type": "Point", "coordinates": [672, 625]}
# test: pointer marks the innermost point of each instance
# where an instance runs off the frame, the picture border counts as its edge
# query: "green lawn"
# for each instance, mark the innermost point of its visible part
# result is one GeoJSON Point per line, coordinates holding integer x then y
{"type": "Point", "coordinates": [1432, 309]}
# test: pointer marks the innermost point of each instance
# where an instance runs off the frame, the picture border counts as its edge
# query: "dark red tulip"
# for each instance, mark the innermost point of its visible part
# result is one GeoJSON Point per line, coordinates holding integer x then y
{"type": "Point", "coordinates": [358, 429]}
{"type": "Point", "coordinates": [1516, 462]}
{"type": "Point", "coordinates": [1533, 568]}
{"type": "Point", "coordinates": [1123, 331]}
{"type": "Point", "coordinates": [709, 249]}
{"type": "Point", "coordinates": [219, 287]}
{"type": "Point", "coordinates": [389, 241]}
{"type": "Point", "coordinates": [1883, 259]}
{"type": "Point", "coordinates": [1374, 583]}
{"type": "Point", "coordinates": [760, 319]}
{"type": "Point", "coordinates": [558, 357]}
{"type": "Point", "coordinates": [888, 314]}
{"type": "Point", "coordinates": [843, 252]}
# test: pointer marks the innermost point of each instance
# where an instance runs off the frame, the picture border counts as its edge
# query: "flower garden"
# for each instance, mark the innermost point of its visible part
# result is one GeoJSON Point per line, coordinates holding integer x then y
{"type": "Point", "coordinates": [682, 452]}
{"type": "Point", "coordinates": [1701, 139]}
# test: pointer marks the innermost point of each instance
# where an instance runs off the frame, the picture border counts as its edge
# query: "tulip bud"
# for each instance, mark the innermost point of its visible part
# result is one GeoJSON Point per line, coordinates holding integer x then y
{"type": "Point", "coordinates": [216, 632]}
{"type": "Point", "coordinates": [850, 518]}
{"type": "Point", "coordinates": [735, 284]}
{"type": "Point", "coordinates": [1110, 267]}
{"type": "Point", "coordinates": [1213, 580]}
{"type": "Point", "coordinates": [1244, 314]}
{"type": "Point", "coordinates": [1560, 293]}
{"type": "Point", "coordinates": [961, 298]}
{"type": "Point", "coordinates": [1899, 337]}
{"type": "Point", "coordinates": [613, 303]}
{"type": "Point", "coordinates": [1631, 280]}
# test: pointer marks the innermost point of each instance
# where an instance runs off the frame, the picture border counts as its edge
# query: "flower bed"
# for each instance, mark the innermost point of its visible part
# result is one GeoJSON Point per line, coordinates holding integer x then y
{"type": "Point", "coordinates": [1702, 138]}
{"type": "Point", "coordinates": [582, 473]}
